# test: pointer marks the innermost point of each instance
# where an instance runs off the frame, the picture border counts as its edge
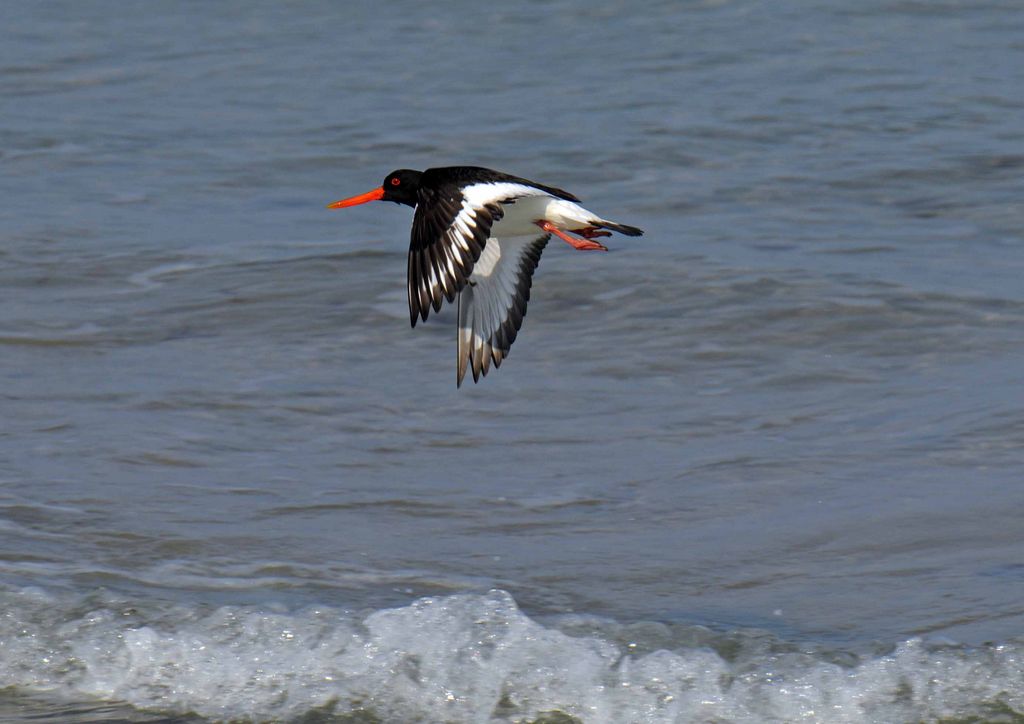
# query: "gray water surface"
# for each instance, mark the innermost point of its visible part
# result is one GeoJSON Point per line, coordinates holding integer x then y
{"type": "Point", "coordinates": [794, 406]}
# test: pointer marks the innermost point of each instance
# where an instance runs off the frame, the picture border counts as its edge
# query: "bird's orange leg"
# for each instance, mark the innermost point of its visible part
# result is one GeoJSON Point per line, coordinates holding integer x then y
{"type": "Point", "coordinates": [591, 232]}
{"type": "Point", "coordinates": [581, 244]}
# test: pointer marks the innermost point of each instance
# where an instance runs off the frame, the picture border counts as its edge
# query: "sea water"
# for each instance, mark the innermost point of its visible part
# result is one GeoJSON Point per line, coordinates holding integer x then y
{"type": "Point", "coordinates": [761, 464]}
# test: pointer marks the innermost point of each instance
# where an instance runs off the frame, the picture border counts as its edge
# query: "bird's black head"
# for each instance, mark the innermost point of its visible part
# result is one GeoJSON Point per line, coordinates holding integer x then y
{"type": "Point", "coordinates": [401, 186]}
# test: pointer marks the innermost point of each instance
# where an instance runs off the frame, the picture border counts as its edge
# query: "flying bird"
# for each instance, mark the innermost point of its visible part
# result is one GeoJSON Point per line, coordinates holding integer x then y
{"type": "Point", "coordinates": [477, 235]}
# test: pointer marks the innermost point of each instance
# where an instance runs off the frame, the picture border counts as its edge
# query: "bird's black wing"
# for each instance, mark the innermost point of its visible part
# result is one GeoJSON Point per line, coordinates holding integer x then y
{"type": "Point", "coordinates": [491, 309]}
{"type": "Point", "coordinates": [455, 210]}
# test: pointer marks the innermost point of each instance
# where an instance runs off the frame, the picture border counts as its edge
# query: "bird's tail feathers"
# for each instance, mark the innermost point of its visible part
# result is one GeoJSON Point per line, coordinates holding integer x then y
{"type": "Point", "coordinates": [621, 228]}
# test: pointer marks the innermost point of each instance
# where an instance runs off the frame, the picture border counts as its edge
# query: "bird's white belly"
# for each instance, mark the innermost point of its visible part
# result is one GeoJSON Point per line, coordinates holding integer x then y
{"type": "Point", "coordinates": [521, 216]}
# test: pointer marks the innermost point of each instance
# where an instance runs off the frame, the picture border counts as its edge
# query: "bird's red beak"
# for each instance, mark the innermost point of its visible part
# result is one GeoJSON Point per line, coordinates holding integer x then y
{"type": "Point", "coordinates": [375, 195]}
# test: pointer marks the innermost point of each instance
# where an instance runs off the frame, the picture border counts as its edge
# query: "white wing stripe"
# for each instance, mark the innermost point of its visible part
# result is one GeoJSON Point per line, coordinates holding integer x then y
{"type": "Point", "coordinates": [483, 194]}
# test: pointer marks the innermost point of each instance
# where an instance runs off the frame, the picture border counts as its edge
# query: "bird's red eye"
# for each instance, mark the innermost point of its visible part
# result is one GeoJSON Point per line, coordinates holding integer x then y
{"type": "Point", "coordinates": [395, 181]}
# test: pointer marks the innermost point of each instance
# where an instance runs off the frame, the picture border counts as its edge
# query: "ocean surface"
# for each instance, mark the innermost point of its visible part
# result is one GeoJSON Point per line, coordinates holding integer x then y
{"type": "Point", "coordinates": [763, 464]}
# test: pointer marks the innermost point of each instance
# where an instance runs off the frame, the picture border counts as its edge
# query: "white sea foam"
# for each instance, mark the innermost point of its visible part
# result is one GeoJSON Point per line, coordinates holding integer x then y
{"type": "Point", "coordinates": [152, 278]}
{"type": "Point", "coordinates": [473, 658]}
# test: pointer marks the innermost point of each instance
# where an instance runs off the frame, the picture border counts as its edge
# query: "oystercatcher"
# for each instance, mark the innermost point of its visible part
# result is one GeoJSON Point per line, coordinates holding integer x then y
{"type": "Point", "coordinates": [478, 234]}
